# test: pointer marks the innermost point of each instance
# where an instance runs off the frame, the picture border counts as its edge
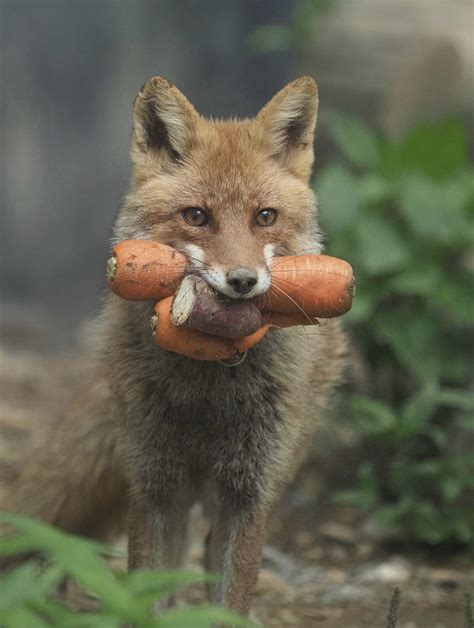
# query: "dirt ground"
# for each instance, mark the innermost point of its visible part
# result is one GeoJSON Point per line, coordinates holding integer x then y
{"type": "Point", "coordinates": [324, 566]}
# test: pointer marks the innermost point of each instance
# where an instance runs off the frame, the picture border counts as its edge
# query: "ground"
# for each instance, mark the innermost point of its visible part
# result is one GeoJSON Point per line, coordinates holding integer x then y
{"type": "Point", "coordinates": [323, 565]}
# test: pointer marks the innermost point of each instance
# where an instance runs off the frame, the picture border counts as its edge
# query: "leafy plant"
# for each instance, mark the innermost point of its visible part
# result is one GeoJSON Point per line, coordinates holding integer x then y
{"type": "Point", "coordinates": [402, 213]}
{"type": "Point", "coordinates": [295, 34]}
{"type": "Point", "coordinates": [28, 592]}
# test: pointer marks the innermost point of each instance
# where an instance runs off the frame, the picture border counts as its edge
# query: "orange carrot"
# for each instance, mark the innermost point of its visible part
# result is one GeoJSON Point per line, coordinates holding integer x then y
{"type": "Point", "coordinates": [310, 285]}
{"type": "Point", "coordinates": [313, 285]}
{"type": "Point", "coordinates": [140, 270]}
{"type": "Point", "coordinates": [279, 320]}
{"type": "Point", "coordinates": [247, 342]}
{"type": "Point", "coordinates": [195, 344]}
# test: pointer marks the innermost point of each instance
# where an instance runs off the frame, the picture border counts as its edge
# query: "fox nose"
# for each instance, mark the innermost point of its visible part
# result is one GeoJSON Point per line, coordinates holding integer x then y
{"type": "Point", "coordinates": [242, 280]}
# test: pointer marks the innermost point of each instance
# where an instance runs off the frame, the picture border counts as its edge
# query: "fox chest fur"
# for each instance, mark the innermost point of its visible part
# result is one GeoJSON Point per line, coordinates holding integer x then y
{"type": "Point", "coordinates": [185, 423]}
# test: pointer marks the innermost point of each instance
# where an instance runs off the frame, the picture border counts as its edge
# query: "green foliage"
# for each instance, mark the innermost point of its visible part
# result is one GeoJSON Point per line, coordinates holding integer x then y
{"type": "Point", "coordinates": [28, 597]}
{"type": "Point", "coordinates": [402, 213]}
{"type": "Point", "coordinates": [294, 35]}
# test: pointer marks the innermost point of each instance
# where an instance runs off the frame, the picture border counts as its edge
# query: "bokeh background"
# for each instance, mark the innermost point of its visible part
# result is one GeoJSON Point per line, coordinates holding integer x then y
{"type": "Point", "coordinates": [389, 485]}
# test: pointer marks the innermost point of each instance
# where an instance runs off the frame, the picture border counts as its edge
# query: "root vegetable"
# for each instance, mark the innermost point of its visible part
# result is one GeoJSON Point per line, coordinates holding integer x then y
{"type": "Point", "coordinates": [246, 343]}
{"type": "Point", "coordinates": [197, 306]}
{"type": "Point", "coordinates": [140, 270]}
{"type": "Point", "coordinates": [195, 344]}
{"type": "Point", "coordinates": [313, 285]}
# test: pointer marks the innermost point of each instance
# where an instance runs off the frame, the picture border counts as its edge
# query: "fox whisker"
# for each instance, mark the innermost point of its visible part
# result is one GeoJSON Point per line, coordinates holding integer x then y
{"type": "Point", "coordinates": [293, 301]}
{"type": "Point", "coordinates": [196, 259]}
{"type": "Point", "coordinates": [278, 280]}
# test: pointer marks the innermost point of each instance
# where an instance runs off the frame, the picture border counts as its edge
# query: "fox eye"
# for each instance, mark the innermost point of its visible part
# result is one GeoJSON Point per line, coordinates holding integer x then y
{"type": "Point", "coordinates": [266, 217]}
{"type": "Point", "coordinates": [195, 216]}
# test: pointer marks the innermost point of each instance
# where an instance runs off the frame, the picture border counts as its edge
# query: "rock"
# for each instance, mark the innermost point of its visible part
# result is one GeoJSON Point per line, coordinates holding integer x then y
{"type": "Point", "coordinates": [315, 554]}
{"type": "Point", "coordinates": [296, 572]}
{"type": "Point", "coordinates": [445, 577]}
{"type": "Point", "coordinates": [288, 617]}
{"type": "Point", "coordinates": [304, 539]}
{"type": "Point", "coordinates": [196, 553]}
{"type": "Point", "coordinates": [364, 550]}
{"type": "Point", "coordinates": [374, 532]}
{"type": "Point", "coordinates": [392, 571]}
{"type": "Point", "coordinates": [269, 582]}
{"type": "Point", "coordinates": [338, 554]}
{"type": "Point", "coordinates": [338, 576]}
{"type": "Point", "coordinates": [255, 619]}
{"type": "Point", "coordinates": [345, 593]}
{"type": "Point", "coordinates": [338, 532]}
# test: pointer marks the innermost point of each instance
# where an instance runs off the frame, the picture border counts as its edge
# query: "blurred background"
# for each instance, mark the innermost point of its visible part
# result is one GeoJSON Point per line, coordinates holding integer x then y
{"type": "Point", "coordinates": [389, 486]}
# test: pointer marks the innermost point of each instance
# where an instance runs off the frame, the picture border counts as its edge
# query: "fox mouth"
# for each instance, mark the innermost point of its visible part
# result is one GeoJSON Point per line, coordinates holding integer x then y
{"type": "Point", "coordinates": [219, 279]}
{"type": "Point", "coordinates": [216, 279]}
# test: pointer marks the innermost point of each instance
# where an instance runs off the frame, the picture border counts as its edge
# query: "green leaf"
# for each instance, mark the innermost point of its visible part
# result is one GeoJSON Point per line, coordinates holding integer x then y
{"type": "Point", "coordinates": [372, 416]}
{"type": "Point", "coordinates": [157, 585]}
{"type": "Point", "coordinates": [465, 421]}
{"type": "Point", "coordinates": [358, 142]}
{"type": "Point", "coordinates": [435, 211]}
{"type": "Point", "coordinates": [79, 558]}
{"type": "Point", "coordinates": [338, 198]}
{"type": "Point", "coordinates": [380, 246]}
{"type": "Point", "coordinates": [455, 294]}
{"type": "Point", "coordinates": [21, 618]}
{"type": "Point", "coordinates": [422, 278]}
{"type": "Point", "coordinates": [366, 495]}
{"type": "Point", "coordinates": [415, 339]}
{"type": "Point", "coordinates": [26, 584]}
{"type": "Point", "coordinates": [426, 521]}
{"type": "Point", "coordinates": [374, 189]}
{"type": "Point", "coordinates": [362, 308]}
{"type": "Point", "coordinates": [418, 410]}
{"type": "Point", "coordinates": [436, 149]}
{"type": "Point", "coordinates": [201, 617]}
{"type": "Point", "coordinates": [462, 399]}
{"type": "Point", "coordinates": [15, 544]}
{"type": "Point", "coordinates": [451, 488]}
{"type": "Point", "coordinates": [391, 514]}
{"type": "Point", "coordinates": [270, 38]}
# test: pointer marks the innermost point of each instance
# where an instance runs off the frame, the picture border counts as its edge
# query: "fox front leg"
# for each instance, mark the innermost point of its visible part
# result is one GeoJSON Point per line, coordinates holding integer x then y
{"type": "Point", "coordinates": [234, 551]}
{"type": "Point", "coordinates": [157, 537]}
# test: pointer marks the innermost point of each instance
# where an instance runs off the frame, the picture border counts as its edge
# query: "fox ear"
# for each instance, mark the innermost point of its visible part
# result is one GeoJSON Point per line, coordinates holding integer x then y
{"type": "Point", "coordinates": [163, 121]}
{"type": "Point", "coordinates": [289, 120]}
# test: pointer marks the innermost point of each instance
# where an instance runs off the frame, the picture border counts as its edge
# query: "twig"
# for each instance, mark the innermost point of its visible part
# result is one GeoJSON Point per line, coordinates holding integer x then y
{"type": "Point", "coordinates": [393, 611]}
{"type": "Point", "coordinates": [468, 610]}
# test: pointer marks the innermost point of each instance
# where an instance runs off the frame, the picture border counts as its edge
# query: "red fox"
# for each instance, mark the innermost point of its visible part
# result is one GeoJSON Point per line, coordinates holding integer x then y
{"type": "Point", "coordinates": [159, 431]}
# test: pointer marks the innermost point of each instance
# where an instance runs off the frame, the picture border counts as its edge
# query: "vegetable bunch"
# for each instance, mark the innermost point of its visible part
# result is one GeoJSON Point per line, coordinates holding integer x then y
{"type": "Point", "coordinates": [192, 319]}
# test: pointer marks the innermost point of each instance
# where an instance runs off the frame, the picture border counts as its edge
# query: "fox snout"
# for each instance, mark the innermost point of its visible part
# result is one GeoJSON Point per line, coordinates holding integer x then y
{"type": "Point", "coordinates": [237, 280]}
{"type": "Point", "coordinates": [242, 280]}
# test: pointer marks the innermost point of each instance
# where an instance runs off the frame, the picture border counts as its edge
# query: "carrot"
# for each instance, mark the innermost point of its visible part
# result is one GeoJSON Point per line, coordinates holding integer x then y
{"type": "Point", "coordinates": [279, 320]}
{"type": "Point", "coordinates": [195, 344]}
{"type": "Point", "coordinates": [140, 270]}
{"type": "Point", "coordinates": [246, 343]}
{"type": "Point", "coordinates": [197, 306]}
{"type": "Point", "coordinates": [312, 285]}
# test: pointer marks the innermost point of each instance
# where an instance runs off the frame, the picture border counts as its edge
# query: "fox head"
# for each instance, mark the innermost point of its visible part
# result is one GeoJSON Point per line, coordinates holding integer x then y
{"type": "Point", "coordinates": [229, 194]}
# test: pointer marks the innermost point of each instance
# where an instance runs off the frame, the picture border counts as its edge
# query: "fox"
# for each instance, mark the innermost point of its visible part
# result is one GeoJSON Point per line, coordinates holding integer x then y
{"type": "Point", "coordinates": [157, 431]}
